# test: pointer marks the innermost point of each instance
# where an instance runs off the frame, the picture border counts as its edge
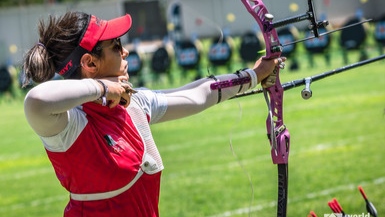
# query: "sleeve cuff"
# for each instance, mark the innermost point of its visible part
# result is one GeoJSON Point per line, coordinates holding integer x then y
{"type": "Point", "coordinates": [253, 76]}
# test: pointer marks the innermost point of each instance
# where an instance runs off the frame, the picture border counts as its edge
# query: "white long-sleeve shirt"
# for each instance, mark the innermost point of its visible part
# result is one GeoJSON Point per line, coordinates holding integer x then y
{"type": "Point", "coordinates": [47, 105]}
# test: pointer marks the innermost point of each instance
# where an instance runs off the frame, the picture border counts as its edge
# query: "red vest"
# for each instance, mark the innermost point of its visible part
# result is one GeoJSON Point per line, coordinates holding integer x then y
{"type": "Point", "coordinates": [106, 156]}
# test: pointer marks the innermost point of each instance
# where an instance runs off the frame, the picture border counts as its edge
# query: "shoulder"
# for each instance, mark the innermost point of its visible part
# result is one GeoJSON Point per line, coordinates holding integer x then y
{"type": "Point", "coordinates": [154, 103]}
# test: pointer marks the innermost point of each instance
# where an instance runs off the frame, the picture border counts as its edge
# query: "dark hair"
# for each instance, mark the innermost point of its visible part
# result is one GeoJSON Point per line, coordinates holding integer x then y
{"type": "Point", "coordinates": [57, 39]}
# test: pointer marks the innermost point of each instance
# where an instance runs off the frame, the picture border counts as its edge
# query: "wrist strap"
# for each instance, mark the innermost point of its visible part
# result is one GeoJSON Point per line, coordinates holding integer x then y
{"type": "Point", "coordinates": [253, 76]}
{"type": "Point", "coordinates": [219, 88]}
{"type": "Point", "coordinates": [103, 96]}
{"type": "Point", "coordinates": [238, 73]}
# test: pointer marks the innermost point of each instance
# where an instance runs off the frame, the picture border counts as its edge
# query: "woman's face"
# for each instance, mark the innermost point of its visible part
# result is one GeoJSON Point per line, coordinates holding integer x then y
{"type": "Point", "coordinates": [113, 62]}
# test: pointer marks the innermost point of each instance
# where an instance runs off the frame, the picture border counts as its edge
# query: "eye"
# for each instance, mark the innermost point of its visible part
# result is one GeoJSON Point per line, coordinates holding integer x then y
{"type": "Point", "coordinates": [116, 48]}
{"type": "Point", "coordinates": [118, 45]}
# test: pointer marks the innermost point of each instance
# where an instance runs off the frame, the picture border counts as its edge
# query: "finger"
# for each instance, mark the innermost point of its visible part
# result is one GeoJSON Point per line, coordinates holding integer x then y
{"type": "Point", "coordinates": [119, 100]}
{"type": "Point", "coordinates": [124, 85]}
{"type": "Point", "coordinates": [128, 87]}
{"type": "Point", "coordinates": [125, 100]}
{"type": "Point", "coordinates": [269, 81]}
{"type": "Point", "coordinates": [117, 91]}
{"type": "Point", "coordinates": [275, 71]}
{"type": "Point", "coordinates": [272, 76]}
{"type": "Point", "coordinates": [279, 62]}
{"type": "Point", "coordinates": [123, 78]}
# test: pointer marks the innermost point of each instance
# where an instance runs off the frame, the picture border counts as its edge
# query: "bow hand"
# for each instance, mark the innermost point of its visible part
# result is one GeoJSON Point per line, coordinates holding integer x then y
{"type": "Point", "coordinates": [279, 63]}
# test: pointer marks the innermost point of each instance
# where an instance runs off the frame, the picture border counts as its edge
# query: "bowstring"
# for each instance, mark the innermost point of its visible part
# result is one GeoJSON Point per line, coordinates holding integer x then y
{"type": "Point", "coordinates": [239, 161]}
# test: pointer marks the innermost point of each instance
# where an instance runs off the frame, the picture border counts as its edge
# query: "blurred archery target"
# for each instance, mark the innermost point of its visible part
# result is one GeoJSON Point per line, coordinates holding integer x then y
{"type": "Point", "coordinates": [353, 37]}
{"type": "Point", "coordinates": [5, 79]}
{"type": "Point", "coordinates": [135, 63]}
{"type": "Point", "coordinates": [317, 45]}
{"type": "Point", "coordinates": [161, 59]}
{"type": "Point", "coordinates": [188, 54]}
{"type": "Point", "coordinates": [287, 35]}
{"type": "Point", "coordinates": [379, 30]}
{"type": "Point", "coordinates": [250, 47]}
{"type": "Point", "coordinates": [220, 51]}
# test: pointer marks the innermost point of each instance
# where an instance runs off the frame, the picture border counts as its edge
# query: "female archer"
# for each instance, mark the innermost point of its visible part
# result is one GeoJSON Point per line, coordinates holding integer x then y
{"type": "Point", "coordinates": [95, 127]}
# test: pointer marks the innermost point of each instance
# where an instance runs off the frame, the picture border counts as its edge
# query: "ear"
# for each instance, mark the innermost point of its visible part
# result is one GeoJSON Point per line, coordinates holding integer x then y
{"type": "Point", "coordinates": [89, 65]}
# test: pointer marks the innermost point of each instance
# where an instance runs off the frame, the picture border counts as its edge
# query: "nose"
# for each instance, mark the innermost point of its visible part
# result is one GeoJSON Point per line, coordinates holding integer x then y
{"type": "Point", "coordinates": [124, 53]}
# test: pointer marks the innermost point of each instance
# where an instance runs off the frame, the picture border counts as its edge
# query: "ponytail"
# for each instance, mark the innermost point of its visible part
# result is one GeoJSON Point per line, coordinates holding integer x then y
{"type": "Point", "coordinates": [57, 39]}
{"type": "Point", "coordinates": [37, 65]}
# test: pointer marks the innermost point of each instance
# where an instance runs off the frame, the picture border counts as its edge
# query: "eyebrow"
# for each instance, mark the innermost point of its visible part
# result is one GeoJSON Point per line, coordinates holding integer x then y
{"type": "Point", "coordinates": [102, 46]}
{"type": "Point", "coordinates": [111, 42]}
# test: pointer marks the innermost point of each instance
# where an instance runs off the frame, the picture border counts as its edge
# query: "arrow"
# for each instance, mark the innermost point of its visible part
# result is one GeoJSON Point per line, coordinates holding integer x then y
{"type": "Point", "coordinates": [369, 205]}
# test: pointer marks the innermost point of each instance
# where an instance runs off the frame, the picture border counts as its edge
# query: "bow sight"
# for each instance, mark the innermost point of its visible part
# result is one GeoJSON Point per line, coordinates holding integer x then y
{"type": "Point", "coordinates": [309, 15]}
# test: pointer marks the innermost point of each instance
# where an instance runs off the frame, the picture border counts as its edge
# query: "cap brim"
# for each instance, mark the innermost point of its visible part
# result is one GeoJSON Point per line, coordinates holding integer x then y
{"type": "Point", "coordinates": [116, 27]}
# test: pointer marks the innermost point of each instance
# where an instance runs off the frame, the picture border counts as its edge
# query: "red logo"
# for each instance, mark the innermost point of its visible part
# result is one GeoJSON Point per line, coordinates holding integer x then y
{"type": "Point", "coordinates": [67, 67]}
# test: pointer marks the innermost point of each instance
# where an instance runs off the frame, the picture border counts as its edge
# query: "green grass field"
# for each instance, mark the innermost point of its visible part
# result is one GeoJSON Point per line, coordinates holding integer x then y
{"type": "Point", "coordinates": [337, 143]}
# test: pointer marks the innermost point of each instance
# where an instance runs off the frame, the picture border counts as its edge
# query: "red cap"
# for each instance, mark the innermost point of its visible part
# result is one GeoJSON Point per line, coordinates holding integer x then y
{"type": "Point", "coordinates": [101, 30]}
{"type": "Point", "coordinates": [97, 30]}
